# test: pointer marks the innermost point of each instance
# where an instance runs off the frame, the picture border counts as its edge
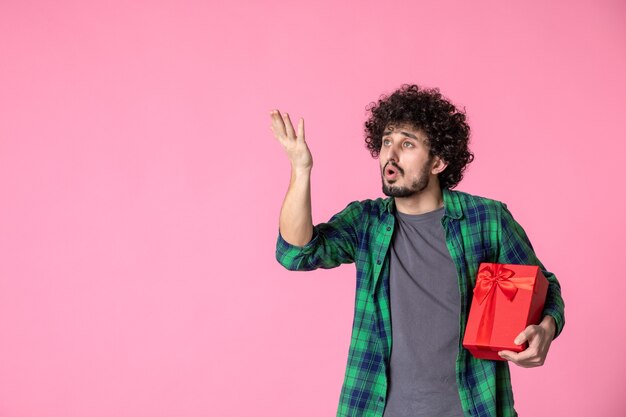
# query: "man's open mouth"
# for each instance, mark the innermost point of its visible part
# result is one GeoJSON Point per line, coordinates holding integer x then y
{"type": "Point", "coordinates": [391, 171]}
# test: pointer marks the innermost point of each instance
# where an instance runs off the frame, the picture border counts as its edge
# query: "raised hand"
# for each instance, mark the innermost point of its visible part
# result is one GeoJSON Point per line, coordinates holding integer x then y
{"type": "Point", "coordinates": [293, 143]}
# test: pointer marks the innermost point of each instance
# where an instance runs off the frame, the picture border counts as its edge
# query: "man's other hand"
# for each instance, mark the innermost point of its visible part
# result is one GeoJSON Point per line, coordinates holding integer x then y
{"type": "Point", "coordinates": [539, 338]}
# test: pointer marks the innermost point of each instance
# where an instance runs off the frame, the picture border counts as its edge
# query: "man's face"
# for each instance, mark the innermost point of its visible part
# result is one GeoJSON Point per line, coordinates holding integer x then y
{"type": "Point", "coordinates": [405, 161]}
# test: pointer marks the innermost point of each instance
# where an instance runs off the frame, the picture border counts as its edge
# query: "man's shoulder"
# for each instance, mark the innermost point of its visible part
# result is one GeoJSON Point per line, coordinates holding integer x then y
{"type": "Point", "coordinates": [467, 202]}
{"type": "Point", "coordinates": [367, 208]}
{"type": "Point", "coordinates": [466, 198]}
{"type": "Point", "coordinates": [377, 203]}
{"type": "Point", "coordinates": [373, 205]}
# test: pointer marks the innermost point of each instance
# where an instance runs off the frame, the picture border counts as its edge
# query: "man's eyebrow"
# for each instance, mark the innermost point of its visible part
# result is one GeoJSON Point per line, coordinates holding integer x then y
{"type": "Point", "coordinates": [412, 136]}
{"type": "Point", "coordinates": [407, 134]}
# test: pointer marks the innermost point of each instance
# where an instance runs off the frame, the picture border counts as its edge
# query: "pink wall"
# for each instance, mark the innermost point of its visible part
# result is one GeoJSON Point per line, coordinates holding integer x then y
{"type": "Point", "coordinates": [140, 188]}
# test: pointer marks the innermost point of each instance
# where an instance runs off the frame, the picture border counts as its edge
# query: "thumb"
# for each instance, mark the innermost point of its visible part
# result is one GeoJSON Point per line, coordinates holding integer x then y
{"type": "Point", "coordinates": [521, 338]}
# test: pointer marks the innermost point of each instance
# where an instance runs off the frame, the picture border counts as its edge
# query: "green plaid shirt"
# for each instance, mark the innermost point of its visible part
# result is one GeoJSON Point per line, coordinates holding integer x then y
{"type": "Point", "coordinates": [477, 230]}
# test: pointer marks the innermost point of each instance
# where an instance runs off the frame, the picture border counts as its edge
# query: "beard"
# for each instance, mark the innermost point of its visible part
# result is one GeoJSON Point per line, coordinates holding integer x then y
{"type": "Point", "coordinates": [416, 187]}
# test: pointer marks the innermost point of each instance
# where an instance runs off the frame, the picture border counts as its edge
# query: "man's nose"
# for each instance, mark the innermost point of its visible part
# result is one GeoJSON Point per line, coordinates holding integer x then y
{"type": "Point", "coordinates": [392, 154]}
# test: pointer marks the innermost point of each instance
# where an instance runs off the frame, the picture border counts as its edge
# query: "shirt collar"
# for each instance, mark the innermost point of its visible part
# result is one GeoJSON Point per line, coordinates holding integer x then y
{"type": "Point", "coordinates": [452, 207]}
{"type": "Point", "coordinates": [452, 204]}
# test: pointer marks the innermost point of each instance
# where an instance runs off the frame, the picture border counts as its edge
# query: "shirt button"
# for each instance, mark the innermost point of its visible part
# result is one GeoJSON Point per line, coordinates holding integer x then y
{"type": "Point", "coordinates": [388, 228]}
{"type": "Point", "coordinates": [378, 262]}
{"type": "Point", "coordinates": [381, 399]}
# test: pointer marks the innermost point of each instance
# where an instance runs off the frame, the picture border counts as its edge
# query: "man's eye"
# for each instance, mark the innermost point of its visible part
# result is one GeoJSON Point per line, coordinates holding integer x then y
{"type": "Point", "coordinates": [407, 144]}
{"type": "Point", "coordinates": [386, 142]}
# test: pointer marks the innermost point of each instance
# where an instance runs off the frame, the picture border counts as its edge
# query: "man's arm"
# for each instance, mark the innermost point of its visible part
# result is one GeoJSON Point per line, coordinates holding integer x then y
{"type": "Point", "coordinates": [300, 245]}
{"type": "Point", "coordinates": [515, 248]}
{"type": "Point", "coordinates": [296, 225]}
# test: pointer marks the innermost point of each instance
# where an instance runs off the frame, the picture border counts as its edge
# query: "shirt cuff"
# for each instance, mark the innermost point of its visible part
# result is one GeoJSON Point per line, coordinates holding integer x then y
{"type": "Point", "coordinates": [306, 249]}
{"type": "Point", "coordinates": [559, 320]}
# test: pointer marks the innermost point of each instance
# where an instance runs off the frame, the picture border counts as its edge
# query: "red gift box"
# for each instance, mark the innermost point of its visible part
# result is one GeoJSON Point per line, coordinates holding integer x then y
{"type": "Point", "coordinates": [507, 298]}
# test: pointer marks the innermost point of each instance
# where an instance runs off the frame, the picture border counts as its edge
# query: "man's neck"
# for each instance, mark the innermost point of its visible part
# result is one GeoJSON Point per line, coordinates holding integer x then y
{"type": "Point", "coordinates": [428, 200]}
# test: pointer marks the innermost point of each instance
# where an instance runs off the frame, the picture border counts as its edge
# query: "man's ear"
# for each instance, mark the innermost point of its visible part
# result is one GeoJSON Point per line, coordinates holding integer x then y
{"type": "Point", "coordinates": [438, 165]}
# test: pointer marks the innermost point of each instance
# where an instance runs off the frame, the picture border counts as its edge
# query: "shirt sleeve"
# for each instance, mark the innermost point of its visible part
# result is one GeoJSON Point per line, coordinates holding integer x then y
{"type": "Point", "coordinates": [333, 243]}
{"type": "Point", "coordinates": [515, 248]}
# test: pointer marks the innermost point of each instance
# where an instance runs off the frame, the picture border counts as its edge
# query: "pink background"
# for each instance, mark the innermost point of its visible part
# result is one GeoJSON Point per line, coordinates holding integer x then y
{"type": "Point", "coordinates": [140, 188]}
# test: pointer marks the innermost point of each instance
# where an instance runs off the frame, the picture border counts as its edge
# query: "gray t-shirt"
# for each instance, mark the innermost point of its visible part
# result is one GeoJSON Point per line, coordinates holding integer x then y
{"type": "Point", "coordinates": [425, 309]}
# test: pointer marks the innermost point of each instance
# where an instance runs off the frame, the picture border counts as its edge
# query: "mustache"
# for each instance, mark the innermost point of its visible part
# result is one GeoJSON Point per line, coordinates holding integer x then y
{"type": "Point", "coordinates": [396, 166]}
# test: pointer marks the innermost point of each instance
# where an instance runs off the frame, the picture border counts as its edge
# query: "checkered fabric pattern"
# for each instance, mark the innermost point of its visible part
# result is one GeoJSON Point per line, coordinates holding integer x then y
{"type": "Point", "coordinates": [477, 230]}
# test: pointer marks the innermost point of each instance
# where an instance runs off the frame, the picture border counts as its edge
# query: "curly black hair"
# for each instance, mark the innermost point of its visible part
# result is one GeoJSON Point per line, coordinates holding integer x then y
{"type": "Point", "coordinates": [427, 110]}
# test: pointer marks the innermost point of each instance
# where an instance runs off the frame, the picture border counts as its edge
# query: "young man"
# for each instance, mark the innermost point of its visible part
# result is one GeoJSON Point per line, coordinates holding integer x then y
{"type": "Point", "coordinates": [417, 254]}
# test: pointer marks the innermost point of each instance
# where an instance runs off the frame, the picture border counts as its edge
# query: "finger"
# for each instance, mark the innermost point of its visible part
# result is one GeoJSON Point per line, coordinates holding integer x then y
{"type": "Point", "coordinates": [275, 135]}
{"type": "Point", "coordinates": [525, 356]}
{"type": "Point", "coordinates": [521, 338]}
{"type": "Point", "coordinates": [527, 334]}
{"type": "Point", "coordinates": [508, 355]}
{"type": "Point", "coordinates": [278, 126]}
{"type": "Point", "coordinates": [289, 127]}
{"type": "Point", "coordinates": [301, 129]}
